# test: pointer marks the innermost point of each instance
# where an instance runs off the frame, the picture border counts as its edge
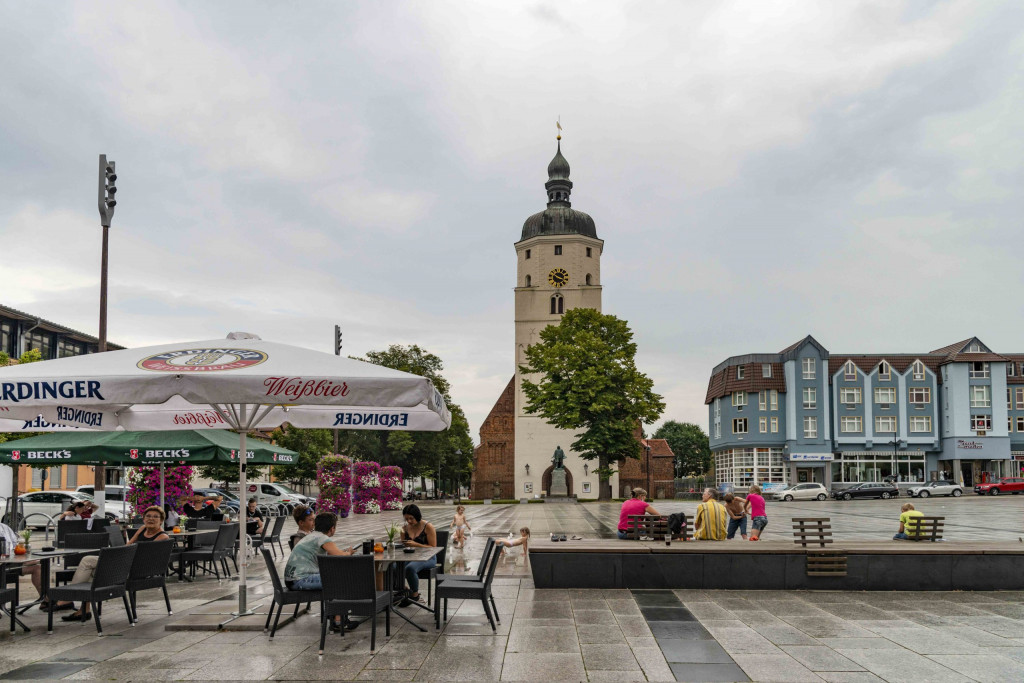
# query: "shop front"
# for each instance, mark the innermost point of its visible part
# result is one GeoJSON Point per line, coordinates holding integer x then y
{"type": "Point", "coordinates": [977, 460]}
{"type": "Point", "coordinates": [806, 468]}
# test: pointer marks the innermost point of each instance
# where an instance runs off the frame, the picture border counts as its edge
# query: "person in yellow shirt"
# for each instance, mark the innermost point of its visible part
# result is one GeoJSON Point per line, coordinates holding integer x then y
{"type": "Point", "coordinates": [711, 519]}
{"type": "Point", "coordinates": [908, 525]}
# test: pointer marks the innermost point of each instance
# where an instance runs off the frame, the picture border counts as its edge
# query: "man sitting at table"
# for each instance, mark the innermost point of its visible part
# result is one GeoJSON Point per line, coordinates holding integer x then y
{"type": "Point", "coordinates": [254, 515]}
{"type": "Point", "coordinates": [33, 569]}
{"type": "Point", "coordinates": [301, 572]}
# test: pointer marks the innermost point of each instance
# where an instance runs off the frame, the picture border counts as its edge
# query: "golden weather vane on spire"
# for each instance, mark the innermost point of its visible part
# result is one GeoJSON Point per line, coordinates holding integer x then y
{"type": "Point", "coordinates": [558, 123]}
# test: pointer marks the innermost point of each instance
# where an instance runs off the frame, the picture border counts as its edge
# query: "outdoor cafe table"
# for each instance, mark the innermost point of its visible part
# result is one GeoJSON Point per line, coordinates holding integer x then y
{"type": "Point", "coordinates": [397, 559]}
{"type": "Point", "coordinates": [44, 560]}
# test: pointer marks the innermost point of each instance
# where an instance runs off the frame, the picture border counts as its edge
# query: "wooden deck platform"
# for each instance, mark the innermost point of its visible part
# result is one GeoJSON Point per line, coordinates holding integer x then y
{"type": "Point", "coordinates": [777, 564]}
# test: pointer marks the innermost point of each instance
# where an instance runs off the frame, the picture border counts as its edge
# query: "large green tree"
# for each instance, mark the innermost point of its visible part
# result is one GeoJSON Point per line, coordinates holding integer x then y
{"type": "Point", "coordinates": [311, 445]}
{"type": "Point", "coordinates": [582, 377]}
{"type": "Point", "coordinates": [419, 454]}
{"type": "Point", "coordinates": [690, 445]}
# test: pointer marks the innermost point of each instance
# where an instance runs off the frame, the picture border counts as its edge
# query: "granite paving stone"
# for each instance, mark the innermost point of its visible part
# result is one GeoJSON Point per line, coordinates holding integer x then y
{"type": "Point", "coordinates": [983, 667]}
{"type": "Point", "coordinates": [775, 667]}
{"type": "Point", "coordinates": [600, 633]}
{"type": "Point", "coordinates": [903, 666]}
{"type": "Point", "coordinates": [693, 651]}
{"type": "Point", "coordinates": [609, 658]}
{"type": "Point", "coordinates": [784, 634]}
{"type": "Point", "coordinates": [820, 658]}
{"type": "Point", "coordinates": [708, 673]}
{"type": "Point", "coordinates": [542, 639]}
{"type": "Point", "coordinates": [543, 666]}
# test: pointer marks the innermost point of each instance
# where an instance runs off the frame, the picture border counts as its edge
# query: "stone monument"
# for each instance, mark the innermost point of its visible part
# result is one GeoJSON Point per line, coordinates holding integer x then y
{"type": "Point", "coordinates": [559, 489]}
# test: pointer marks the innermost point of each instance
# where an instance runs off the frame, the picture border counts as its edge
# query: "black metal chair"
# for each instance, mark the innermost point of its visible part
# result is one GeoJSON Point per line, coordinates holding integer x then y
{"type": "Point", "coordinates": [89, 541]}
{"type": "Point", "coordinates": [70, 526]}
{"type": "Point", "coordinates": [284, 595]}
{"type": "Point", "coordinates": [275, 535]}
{"type": "Point", "coordinates": [452, 588]}
{"type": "Point", "coordinates": [432, 573]}
{"type": "Point", "coordinates": [480, 570]}
{"type": "Point", "coordinates": [8, 595]}
{"type": "Point", "coordinates": [149, 570]}
{"type": "Point", "coordinates": [215, 554]}
{"type": "Point", "coordinates": [349, 585]}
{"type": "Point", "coordinates": [108, 582]}
{"type": "Point", "coordinates": [116, 535]}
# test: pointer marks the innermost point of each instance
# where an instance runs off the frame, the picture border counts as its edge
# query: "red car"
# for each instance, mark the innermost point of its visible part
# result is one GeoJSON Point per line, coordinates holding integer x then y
{"type": "Point", "coordinates": [1012, 485]}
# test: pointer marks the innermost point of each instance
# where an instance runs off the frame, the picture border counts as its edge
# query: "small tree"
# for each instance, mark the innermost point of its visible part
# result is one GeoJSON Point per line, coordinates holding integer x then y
{"type": "Point", "coordinates": [311, 445]}
{"type": "Point", "coordinates": [588, 381]}
{"type": "Point", "coordinates": [690, 445]}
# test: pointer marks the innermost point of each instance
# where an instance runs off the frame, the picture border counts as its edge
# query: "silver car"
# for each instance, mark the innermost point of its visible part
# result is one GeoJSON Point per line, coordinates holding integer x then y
{"type": "Point", "coordinates": [937, 488]}
{"type": "Point", "coordinates": [802, 492]}
{"type": "Point", "coordinates": [48, 503]}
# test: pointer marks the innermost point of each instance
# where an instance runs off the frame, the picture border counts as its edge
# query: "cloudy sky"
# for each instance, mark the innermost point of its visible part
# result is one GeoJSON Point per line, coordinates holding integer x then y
{"type": "Point", "coordinates": [759, 171]}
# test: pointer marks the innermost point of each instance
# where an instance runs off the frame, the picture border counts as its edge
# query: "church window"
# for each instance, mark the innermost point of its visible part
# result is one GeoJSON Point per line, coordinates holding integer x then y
{"type": "Point", "coordinates": [588, 279]}
{"type": "Point", "coordinates": [558, 250]}
{"type": "Point", "coordinates": [557, 305]}
{"type": "Point", "coordinates": [588, 252]}
{"type": "Point", "coordinates": [527, 254]}
{"type": "Point", "coordinates": [528, 281]}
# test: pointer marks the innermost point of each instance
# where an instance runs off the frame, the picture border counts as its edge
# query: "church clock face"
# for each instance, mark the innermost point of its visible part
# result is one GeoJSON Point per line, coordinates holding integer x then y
{"type": "Point", "coordinates": [559, 277]}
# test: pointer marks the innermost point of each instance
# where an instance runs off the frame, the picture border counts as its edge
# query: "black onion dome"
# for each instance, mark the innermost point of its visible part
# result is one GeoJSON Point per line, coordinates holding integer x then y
{"type": "Point", "coordinates": [559, 221]}
{"type": "Point", "coordinates": [559, 218]}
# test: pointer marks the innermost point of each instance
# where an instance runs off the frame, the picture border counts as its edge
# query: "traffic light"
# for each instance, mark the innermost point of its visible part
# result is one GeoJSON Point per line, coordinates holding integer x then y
{"type": "Point", "coordinates": [107, 190]}
{"type": "Point", "coordinates": [337, 340]}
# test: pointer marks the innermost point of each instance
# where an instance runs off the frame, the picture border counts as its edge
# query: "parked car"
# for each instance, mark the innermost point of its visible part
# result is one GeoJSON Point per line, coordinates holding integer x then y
{"type": "Point", "coordinates": [868, 490]}
{"type": "Point", "coordinates": [802, 492]}
{"type": "Point", "coordinates": [114, 495]}
{"type": "Point", "coordinates": [51, 504]}
{"type": "Point", "coordinates": [276, 494]}
{"type": "Point", "coordinates": [937, 488]}
{"type": "Point", "coordinates": [1012, 485]}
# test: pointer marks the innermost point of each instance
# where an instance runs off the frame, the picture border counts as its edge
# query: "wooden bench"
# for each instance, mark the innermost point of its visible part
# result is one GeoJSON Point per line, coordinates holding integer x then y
{"type": "Point", "coordinates": [817, 531]}
{"type": "Point", "coordinates": [812, 530]}
{"type": "Point", "coordinates": [654, 527]}
{"type": "Point", "coordinates": [926, 528]}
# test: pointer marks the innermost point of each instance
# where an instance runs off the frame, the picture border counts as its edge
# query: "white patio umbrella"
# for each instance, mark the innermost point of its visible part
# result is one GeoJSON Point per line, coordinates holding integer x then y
{"type": "Point", "coordinates": [241, 383]}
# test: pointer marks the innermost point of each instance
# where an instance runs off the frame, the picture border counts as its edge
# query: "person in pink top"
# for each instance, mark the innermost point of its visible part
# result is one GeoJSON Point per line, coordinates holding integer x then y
{"type": "Point", "coordinates": [637, 505]}
{"type": "Point", "coordinates": [758, 516]}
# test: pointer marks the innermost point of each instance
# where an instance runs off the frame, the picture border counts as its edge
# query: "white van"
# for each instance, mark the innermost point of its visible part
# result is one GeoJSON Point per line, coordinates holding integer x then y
{"type": "Point", "coordinates": [272, 494]}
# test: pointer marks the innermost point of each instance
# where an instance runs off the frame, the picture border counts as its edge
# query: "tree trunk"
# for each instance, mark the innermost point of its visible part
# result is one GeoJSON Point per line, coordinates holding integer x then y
{"type": "Point", "coordinates": [605, 484]}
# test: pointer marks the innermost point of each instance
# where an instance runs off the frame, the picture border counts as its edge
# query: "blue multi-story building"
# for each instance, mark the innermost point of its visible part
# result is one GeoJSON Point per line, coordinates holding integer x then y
{"type": "Point", "coordinates": [807, 415]}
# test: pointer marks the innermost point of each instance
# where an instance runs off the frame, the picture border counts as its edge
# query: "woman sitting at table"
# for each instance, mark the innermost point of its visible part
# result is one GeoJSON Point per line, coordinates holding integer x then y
{"type": "Point", "coordinates": [170, 517]}
{"type": "Point", "coordinates": [152, 530]}
{"type": "Point", "coordinates": [32, 569]}
{"type": "Point", "coordinates": [302, 572]}
{"type": "Point", "coordinates": [417, 533]}
{"type": "Point", "coordinates": [74, 510]}
{"type": "Point", "coordinates": [152, 527]}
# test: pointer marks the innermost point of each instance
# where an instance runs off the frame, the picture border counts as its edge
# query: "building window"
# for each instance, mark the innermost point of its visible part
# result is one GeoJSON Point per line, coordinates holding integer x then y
{"type": "Point", "coordinates": [588, 280]}
{"type": "Point", "coordinates": [850, 395]}
{"type": "Point", "coordinates": [775, 425]}
{"type": "Point", "coordinates": [1009, 424]}
{"type": "Point", "coordinates": [739, 425]}
{"type": "Point", "coordinates": [1020, 424]}
{"type": "Point", "coordinates": [978, 371]}
{"type": "Point", "coordinates": [981, 397]}
{"type": "Point", "coordinates": [1009, 399]}
{"type": "Point", "coordinates": [72, 478]}
{"type": "Point", "coordinates": [1010, 369]}
{"type": "Point", "coordinates": [810, 428]}
{"type": "Point", "coordinates": [809, 368]}
{"type": "Point", "coordinates": [981, 423]}
{"type": "Point", "coordinates": [920, 394]}
{"type": "Point", "coordinates": [529, 281]}
{"type": "Point", "coordinates": [558, 250]}
{"type": "Point", "coordinates": [739, 398]}
{"type": "Point", "coordinates": [775, 399]}
{"type": "Point", "coordinates": [885, 395]}
{"type": "Point", "coordinates": [884, 371]}
{"type": "Point", "coordinates": [975, 348]}
{"type": "Point", "coordinates": [718, 407]}
{"type": "Point", "coordinates": [855, 467]}
{"type": "Point", "coordinates": [6, 337]}
{"type": "Point", "coordinates": [38, 340]}
{"type": "Point", "coordinates": [762, 400]}
{"type": "Point", "coordinates": [741, 372]}
{"type": "Point", "coordinates": [762, 425]}
{"type": "Point", "coordinates": [918, 371]}
{"type": "Point", "coordinates": [849, 370]}
{"type": "Point", "coordinates": [851, 425]}
{"type": "Point", "coordinates": [55, 478]}
{"type": "Point", "coordinates": [921, 423]}
{"type": "Point", "coordinates": [810, 398]}
{"type": "Point", "coordinates": [1020, 397]}
{"type": "Point", "coordinates": [588, 252]}
{"type": "Point", "coordinates": [885, 424]}
{"type": "Point", "coordinates": [718, 430]}
{"type": "Point", "coordinates": [557, 305]}
{"type": "Point", "coordinates": [67, 348]}
{"type": "Point", "coordinates": [766, 369]}
{"type": "Point", "coordinates": [527, 254]}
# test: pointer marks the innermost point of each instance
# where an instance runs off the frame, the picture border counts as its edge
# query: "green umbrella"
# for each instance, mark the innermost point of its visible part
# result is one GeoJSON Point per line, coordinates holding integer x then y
{"type": "Point", "coordinates": [139, 448]}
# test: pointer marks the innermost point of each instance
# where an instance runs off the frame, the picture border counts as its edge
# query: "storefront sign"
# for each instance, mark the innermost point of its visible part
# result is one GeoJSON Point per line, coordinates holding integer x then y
{"type": "Point", "coordinates": [805, 457]}
{"type": "Point", "coordinates": [976, 448]}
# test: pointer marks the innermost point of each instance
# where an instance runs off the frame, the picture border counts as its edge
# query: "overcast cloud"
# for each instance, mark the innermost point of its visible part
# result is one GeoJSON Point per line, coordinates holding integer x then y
{"type": "Point", "coordinates": [759, 171]}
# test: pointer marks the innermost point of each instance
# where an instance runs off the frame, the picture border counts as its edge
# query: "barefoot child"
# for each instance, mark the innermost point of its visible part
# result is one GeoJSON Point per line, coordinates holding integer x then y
{"type": "Point", "coordinates": [758, 516]}
{"type": "Point", "coordinates": [523, 540]}
{"type": "Point", "coordinates": [461, 527]}
{"type": "Point", "coordinates": [737, 509]}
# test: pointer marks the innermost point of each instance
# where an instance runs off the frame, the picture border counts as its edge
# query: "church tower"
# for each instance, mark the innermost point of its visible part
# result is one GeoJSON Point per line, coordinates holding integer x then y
{"type": "Point", "coordinates": [558, 267]}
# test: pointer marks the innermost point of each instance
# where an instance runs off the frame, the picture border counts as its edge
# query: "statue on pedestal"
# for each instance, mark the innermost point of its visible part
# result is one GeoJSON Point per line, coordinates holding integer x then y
{"type": "Point", "coordinates": [558, 459]}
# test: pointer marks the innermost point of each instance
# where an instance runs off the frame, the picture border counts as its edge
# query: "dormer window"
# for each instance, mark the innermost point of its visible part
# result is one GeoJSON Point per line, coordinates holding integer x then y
{"type": "Point", "coordinates": [918, 369]}
{"type": "Point", "coordinates": [766, 369]}
{"type": "Point", "coordinates": [884, 371]}
{"type": "Point", "coordinates": [974, 348]}
{"type": "Point", "coordinates": [740, 372]}
{"type": "Point", "coordinates": [849, 370]}
{"type": "Point", "coordinates": [1009, 369]}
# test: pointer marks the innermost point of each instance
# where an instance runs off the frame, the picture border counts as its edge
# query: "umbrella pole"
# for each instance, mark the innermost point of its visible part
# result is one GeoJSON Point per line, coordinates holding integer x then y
{"type": "Point", "coordinates": [161, 486]}
{"type": "Point", "coordinates": [242, 457]}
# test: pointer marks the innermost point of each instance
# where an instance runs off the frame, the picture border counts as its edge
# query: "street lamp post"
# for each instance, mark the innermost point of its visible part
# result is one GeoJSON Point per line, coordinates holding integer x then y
{"type": "Point", "coordinates": [458, 493]}
{"type": "Point", "coordinates": [649, 491]}
{"type": "Point", "coordinates": [106, 202]}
